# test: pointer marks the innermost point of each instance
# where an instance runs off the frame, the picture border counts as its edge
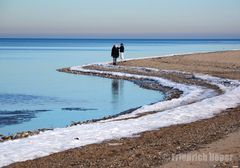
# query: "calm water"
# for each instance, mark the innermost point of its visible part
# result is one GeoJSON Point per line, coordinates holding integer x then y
{"type": "Point", "coordinates": [34, 95]}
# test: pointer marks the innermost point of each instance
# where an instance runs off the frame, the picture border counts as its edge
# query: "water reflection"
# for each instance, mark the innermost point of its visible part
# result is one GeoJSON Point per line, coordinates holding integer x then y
{"type": "Point", "coordinates": [117, 89]}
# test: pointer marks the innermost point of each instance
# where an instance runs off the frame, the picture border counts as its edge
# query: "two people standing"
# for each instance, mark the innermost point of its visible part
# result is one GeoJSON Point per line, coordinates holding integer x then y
{"type": "Point", "coordinates": [116, 52]}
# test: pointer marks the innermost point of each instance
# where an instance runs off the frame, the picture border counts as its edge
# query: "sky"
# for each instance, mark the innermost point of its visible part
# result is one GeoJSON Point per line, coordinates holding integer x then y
{"type": "Point", "coordinates": [120, 18]}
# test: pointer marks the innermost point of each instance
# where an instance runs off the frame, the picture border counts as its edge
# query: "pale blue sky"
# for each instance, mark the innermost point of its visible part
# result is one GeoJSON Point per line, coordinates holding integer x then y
{"type": "Point", "coordinates": [120, 18]}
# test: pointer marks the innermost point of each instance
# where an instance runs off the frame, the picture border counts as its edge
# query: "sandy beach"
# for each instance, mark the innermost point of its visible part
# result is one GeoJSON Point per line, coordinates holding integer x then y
{"type": "Point", "coordinates": [222, 64]}
{"type": "Point", "coordinates": [217, 135]}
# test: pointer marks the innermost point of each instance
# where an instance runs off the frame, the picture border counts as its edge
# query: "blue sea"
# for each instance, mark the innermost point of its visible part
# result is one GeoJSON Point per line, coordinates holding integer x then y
{"type": "Point", "coordinates": [33, 95]}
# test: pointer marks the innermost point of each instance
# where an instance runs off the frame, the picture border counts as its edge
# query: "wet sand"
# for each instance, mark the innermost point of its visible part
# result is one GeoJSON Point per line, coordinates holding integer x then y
{"type": "Point", "coordinates": [219, 134]}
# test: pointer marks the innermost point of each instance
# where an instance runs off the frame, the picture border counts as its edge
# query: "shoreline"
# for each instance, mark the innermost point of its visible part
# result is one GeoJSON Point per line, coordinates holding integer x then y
{"type": "Point", "coordinates": [208, 137]}
{"type": "Point", "coordinates": [175, 93]}
{"type": "Point", "coordinates": [152, 148]}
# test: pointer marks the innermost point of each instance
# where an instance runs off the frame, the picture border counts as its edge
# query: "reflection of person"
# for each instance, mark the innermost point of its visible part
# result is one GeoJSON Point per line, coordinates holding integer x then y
{"type": "Point", "coordinates": [115, 54]}
{"type": "Point", "coordinates": [122, 51]}
{"type": "Point", "coordinates": [117, 91]}
{"type": "Point", "coordinates": [115, 86]}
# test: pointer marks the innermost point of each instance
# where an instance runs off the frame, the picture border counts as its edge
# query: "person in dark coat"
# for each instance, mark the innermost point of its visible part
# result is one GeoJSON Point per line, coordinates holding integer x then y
{"type": "Point", "coordinates": [115, 54]}
{"type": "Point", "coordinates": [122, 51]}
